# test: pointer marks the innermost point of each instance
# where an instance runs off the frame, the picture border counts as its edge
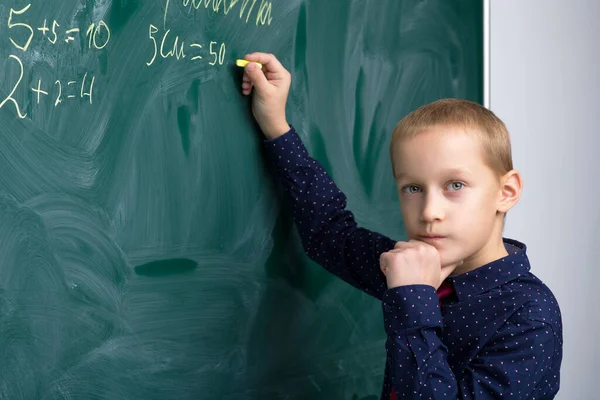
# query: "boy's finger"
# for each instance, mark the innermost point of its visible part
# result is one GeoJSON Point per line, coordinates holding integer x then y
{"type": "Point", "coordinates": [256, 76]}
{"type": "Point", "coordinates": [269, 61]}
{"type": "Point", "coordinates": [416, 241]}
{"type": "Point", "coordinates": [411, 244]}
{"type": "Point", "coordinates": [446, 271]}
{"type": "Point", "coordinates": [273, 76]}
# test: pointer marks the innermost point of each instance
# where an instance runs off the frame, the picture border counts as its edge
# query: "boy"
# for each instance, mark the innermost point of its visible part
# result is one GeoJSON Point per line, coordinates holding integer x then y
{"type": "Point", "coordinates": [492, 330]}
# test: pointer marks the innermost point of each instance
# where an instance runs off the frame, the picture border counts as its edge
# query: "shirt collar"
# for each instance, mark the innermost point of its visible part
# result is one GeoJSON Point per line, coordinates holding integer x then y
{"type": "Point", "coordinates": [494, 274]}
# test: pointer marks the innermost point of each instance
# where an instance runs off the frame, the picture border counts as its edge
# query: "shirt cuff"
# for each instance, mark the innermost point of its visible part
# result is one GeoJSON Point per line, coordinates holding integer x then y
{"type": "Point", "coordinates": [411, 306]}
{"type": "Point", "coordinates": [287, 150]}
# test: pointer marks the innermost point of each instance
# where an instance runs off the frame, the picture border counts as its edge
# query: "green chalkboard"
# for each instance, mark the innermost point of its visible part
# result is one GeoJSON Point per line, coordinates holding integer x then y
{"type": "Point", "coordinates": [146, 251]}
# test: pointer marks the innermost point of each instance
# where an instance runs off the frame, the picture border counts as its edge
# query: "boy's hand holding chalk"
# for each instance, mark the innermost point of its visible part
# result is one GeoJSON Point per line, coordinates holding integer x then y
{"type": "Point", "coordinates": [243, 63]}
{"type": "Point", "coordinates": [271, 83]}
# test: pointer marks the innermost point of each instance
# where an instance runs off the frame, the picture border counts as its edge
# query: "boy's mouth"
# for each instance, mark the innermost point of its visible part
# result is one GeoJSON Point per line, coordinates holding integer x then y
{"type": "Point", "coordinates": [431, 238]}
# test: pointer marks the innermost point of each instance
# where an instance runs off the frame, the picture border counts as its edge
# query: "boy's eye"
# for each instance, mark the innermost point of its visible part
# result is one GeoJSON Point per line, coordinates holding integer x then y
{"type": "Point", "coordinates": [456, 185]}
{"type": "Point", "coordinates": [411, 189]}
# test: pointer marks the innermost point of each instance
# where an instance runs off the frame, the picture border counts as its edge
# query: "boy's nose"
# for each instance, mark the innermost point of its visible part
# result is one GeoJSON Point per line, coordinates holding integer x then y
{"type": "Point", "coordinates": [432, 209]}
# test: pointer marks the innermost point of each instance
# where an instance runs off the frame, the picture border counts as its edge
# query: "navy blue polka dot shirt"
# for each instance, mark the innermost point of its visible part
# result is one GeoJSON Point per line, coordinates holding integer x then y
{"type": "Point", "coordinates": [499, 336]}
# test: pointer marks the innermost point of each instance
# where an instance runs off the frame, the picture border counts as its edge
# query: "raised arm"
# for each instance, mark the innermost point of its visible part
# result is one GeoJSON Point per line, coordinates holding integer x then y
{"type": "Point", "coordinates": [328, 231]}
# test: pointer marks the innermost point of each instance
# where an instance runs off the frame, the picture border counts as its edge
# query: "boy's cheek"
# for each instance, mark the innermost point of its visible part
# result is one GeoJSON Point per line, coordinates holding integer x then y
{"type": "Point", "coordinates": [411, 222]}
{"type": "Point", "coordinates": [412, 235]}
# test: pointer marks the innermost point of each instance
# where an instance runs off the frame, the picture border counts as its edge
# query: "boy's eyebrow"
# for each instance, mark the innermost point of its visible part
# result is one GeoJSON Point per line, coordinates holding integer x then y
{"type": "Point", "coordinates": [449, 171]}
{"type": "Point", "coordinates": [458, 171]}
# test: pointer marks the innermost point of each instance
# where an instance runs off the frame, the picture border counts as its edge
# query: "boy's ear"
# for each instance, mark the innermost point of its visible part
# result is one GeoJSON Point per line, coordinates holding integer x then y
{"type": "Point", "coordinates": [510, 190]}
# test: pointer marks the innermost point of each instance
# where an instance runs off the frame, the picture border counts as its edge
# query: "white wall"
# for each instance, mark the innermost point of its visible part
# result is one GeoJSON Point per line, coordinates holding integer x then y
{"type": "Point", "coordinates": [545, 85]}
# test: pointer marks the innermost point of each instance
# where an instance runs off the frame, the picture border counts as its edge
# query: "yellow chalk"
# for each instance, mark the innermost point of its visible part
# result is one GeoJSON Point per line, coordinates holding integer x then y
{"type": "Point", "coordinates": [243, 63]}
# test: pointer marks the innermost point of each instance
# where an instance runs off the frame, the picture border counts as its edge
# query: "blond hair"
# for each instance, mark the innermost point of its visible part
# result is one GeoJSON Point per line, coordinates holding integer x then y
{"type": "Point", "coordinates": [490, 130]}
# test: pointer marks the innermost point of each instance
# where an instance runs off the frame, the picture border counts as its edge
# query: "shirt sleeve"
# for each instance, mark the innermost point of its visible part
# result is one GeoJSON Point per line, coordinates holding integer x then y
{"type": "Point", "coordinates": [511, 366]}
{"type": "Point", "coordinates": [328, 232]}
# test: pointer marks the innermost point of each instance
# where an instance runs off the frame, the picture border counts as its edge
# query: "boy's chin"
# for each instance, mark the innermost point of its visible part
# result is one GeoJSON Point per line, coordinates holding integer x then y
{"type": "Point", "coordinates": [449, 261]}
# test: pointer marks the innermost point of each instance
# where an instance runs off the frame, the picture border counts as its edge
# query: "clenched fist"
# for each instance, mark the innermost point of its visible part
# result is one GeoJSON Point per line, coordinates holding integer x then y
{"type": "Point", "coordinates": [413, 263]}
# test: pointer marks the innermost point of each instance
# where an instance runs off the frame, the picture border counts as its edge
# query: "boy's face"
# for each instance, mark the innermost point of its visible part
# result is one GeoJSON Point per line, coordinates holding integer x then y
{"type": "Point", "coordinates": [448, 195]}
